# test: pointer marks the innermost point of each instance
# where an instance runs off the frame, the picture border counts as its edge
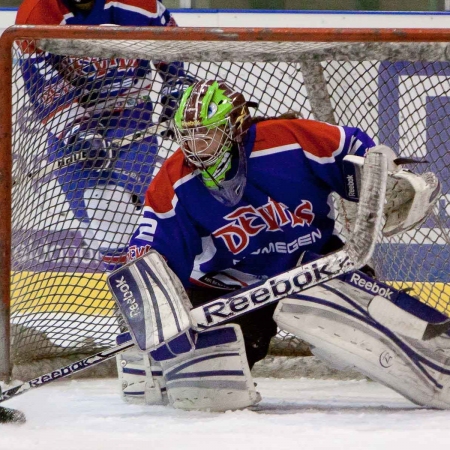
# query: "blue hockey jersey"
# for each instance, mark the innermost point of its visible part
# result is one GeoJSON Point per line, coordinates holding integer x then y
{"type": "Point", "coordinates": [293, 167]}
{"type": "Point", "coordinates": [64, 89]}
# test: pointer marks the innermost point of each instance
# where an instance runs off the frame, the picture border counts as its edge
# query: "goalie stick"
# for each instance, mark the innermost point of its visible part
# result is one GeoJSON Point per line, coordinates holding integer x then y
{"type": "Point", "coordinates": [355, 254]}
{"type": "Point", "coordinates": [65, 371]}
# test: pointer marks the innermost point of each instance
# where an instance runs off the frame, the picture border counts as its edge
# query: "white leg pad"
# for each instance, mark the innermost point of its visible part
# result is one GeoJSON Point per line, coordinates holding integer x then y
{"type": "Point", "coordinates": [141, 379]}
{"type": "Point", "coordinates": [333, 318]}
{"type": "Point", "coordinates": [213, 377]}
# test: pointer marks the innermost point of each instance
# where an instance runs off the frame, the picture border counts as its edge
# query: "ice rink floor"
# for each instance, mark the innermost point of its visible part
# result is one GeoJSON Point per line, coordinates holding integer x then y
{"type": "Point", "coordinates": [294, 414]}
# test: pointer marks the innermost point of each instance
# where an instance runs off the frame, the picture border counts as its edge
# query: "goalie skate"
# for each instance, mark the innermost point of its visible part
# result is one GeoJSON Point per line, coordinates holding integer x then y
{"type": "Point", "coordinates": [334, 319]}
{"type": "Point", "coordinates": [140, 377]}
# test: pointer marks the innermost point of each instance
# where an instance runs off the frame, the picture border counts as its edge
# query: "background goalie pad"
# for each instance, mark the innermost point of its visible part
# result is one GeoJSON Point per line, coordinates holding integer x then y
{"type": "Point", "coordinates": [151, 300]}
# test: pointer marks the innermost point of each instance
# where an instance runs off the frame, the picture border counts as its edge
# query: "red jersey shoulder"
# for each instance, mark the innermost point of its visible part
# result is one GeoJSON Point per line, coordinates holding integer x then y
{"type": "Point", "coordinates": [41, 12]}
{"type": "Point", "coordinates": [148, 5]}
{"type": "Point", "coordinates": [161, 191]}
{"type": "Point", "coordinates": [317, 138]}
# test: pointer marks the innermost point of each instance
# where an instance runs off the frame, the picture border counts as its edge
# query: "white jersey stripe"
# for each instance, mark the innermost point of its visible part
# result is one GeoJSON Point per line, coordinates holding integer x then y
{"type": "Point", "coordinates": [296, 146]}
{"type": "Point", "coordinates": [65, 17]}
{"type": "Point", "coordinates": [330, 159]}
{"type": "Point", "coordinates": [355, 147]}
{"type": "Point", "coordinates": [271, 151]}
{"type": "Point", "coordinates": [165, 215]}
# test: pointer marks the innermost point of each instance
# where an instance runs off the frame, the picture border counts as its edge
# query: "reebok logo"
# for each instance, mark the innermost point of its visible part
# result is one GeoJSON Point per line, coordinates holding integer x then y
{"type": "Point", "coordinates": [127, 297]}
{"type": "Point", "coordinates": [273, 289]}
{"type": "Point", "coordinates": [70, 369]}
{"type": "Point", "coordinates": [370, 286]}
{"type": "Point", "coordinates": [351, 190]}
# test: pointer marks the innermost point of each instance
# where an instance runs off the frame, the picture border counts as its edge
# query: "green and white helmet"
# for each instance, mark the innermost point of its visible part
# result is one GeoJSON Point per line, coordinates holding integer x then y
{"type": "Point", "coordinates": [209, 126]}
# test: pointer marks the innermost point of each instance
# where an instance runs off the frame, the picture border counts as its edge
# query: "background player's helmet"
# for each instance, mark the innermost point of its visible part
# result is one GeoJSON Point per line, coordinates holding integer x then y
{"type": "Point", "coordinates": [80, 5]}
{"type": "Point", "coordinates": [209, 125]}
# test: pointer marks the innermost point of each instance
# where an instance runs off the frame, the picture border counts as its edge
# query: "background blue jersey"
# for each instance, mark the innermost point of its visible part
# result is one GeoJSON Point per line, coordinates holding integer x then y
{"type": "Point", "coordinates": [63, 89]}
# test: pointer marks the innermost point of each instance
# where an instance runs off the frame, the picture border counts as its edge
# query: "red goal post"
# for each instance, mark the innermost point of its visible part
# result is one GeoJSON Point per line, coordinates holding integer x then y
{"type": "Point", "coordinates": [390, 82]}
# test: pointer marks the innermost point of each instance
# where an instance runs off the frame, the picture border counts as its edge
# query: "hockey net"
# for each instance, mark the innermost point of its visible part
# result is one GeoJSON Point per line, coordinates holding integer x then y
{"type": "Point", "coordinates": [395, 86]}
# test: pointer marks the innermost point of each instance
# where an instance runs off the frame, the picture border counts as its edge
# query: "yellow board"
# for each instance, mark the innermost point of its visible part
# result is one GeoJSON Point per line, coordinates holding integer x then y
{"type": "Point", "coordinates": [436, 295]}
{"type": "Point", "coordinates": [88, 294]}
{"type": "Point", "coordinates": [55, 292]}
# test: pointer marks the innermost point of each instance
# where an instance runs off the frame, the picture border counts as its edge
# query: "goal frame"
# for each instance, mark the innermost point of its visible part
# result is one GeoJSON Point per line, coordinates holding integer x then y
{"type": "Point", "coordinates": [259, 35]}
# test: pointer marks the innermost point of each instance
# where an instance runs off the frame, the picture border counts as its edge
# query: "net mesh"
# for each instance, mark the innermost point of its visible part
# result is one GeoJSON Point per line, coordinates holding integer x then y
{"type": "Point", "coordinates": [64, 241]}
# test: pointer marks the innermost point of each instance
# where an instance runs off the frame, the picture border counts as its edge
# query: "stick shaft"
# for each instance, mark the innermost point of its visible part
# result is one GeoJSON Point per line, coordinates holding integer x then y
{"type": "Point", "coordinates": [65, 371]}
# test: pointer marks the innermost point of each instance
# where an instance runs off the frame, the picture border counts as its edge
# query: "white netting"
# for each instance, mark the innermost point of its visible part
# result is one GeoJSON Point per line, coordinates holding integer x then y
{"type": "Point", "coordinates": [60, 303]}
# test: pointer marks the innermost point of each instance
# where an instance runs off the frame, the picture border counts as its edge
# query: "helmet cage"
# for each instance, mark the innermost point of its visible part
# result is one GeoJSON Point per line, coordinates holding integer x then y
{"type": "Point", "coordinates": [197, 142]}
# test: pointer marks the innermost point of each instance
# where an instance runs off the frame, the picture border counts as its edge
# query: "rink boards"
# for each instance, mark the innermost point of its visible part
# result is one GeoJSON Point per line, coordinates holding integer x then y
{"type": "Point", "coordinates": [88, 294]}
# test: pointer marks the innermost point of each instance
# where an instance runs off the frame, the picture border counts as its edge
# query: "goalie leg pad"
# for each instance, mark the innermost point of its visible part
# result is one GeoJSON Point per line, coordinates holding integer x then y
{"type": "Point", "coordinates": [334, 319]}
{"type": "Point", "coordinates": [214, 377]}
{"type": "Point", "coordinates": [140, 376]}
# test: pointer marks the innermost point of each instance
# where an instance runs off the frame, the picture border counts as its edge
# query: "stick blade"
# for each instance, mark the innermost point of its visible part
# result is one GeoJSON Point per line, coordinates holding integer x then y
{"type": "Point", "coordinates": [9, 415]}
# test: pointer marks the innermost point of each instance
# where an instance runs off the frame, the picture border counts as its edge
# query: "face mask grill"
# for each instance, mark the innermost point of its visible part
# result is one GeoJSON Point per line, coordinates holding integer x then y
{"type": "Point", "coordinates": [204, 146]}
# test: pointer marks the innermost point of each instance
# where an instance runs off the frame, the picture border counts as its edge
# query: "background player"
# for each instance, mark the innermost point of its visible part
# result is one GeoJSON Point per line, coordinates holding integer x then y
{"type": "Point", "coordinates": [242, 200]}
{"type": "Point", "coordinates": [85, 103]}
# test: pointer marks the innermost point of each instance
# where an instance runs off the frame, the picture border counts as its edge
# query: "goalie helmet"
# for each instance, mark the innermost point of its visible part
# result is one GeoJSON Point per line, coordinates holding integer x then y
{"type": "Point", "coordinates": [209, 126]}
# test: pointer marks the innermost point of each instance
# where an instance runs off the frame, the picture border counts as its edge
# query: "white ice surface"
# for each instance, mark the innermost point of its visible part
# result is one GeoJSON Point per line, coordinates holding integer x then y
{"type": "Point", "coordinates": [294, 414]}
